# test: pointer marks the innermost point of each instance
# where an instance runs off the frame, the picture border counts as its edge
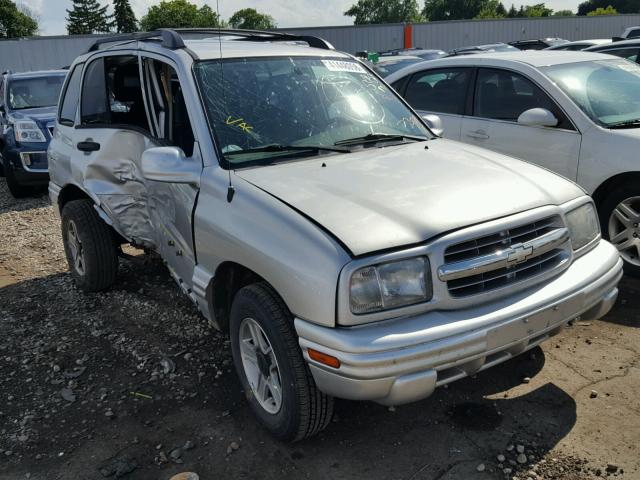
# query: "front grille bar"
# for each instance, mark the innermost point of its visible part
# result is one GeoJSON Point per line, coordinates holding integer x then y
{"type": "Point", "coordinates": [506, 258]}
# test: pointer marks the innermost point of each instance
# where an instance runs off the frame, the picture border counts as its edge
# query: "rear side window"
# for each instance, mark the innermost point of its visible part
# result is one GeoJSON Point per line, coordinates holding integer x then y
{"type": "Point", "coordinates": [112, 93]}
{"type": "Point", "coordinates": [441, 91]}
{"type": "Point", "coordinates": [69, 103]}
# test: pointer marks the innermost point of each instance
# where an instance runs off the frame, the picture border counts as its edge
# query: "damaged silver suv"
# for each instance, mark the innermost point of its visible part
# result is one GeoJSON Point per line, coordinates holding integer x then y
{"type": "Point", "coordinates": [308, 211]}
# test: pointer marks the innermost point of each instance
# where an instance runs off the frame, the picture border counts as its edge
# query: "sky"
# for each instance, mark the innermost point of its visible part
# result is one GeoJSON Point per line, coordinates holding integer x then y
{"type": "Point", "coordinates": [287, 13]}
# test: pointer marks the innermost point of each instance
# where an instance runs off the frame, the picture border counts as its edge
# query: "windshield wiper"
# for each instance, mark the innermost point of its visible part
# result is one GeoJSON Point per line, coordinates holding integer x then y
{"type": "Point", "coordinates": [379, 137]}
{"type": "Point", "coordinates": [635, 123]}
{"type": "Point", "coordinates": [275, 147]}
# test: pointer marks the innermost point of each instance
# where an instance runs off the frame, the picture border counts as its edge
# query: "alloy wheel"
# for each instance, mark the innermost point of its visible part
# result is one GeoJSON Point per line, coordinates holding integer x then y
{"type": "Point", "coordinates": [624, 229]}
{"type": "Point", "coordinates": [75, 248]}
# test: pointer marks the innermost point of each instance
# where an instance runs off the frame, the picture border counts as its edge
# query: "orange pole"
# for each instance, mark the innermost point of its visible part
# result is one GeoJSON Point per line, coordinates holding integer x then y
{"type": "Point", "coordinates": [408, 35]}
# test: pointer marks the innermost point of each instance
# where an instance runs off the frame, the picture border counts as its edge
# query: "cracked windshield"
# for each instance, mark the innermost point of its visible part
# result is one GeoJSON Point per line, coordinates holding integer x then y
{"type": "Point", "coordinates": [265, 110]}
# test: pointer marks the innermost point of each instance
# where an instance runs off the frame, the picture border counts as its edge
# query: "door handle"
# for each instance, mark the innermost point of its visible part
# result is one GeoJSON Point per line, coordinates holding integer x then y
{"type": "Point", "coordinates": [88, 146]}
{"type": "Point", "coordinates": [479, 134]}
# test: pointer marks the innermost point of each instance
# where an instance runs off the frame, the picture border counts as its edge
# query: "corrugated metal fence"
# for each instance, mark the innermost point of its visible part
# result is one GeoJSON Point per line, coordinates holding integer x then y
{"type": "Point", "coordinates": [459, 33]}
{"type": "Point", "coordinates": [39, 53]}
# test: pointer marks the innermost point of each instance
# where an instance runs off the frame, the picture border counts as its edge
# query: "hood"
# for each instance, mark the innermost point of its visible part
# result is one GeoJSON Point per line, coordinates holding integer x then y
{"type": "Point", "coordinates": [380, 198]}
{"type": "Point", "coordinates": [40, 115]}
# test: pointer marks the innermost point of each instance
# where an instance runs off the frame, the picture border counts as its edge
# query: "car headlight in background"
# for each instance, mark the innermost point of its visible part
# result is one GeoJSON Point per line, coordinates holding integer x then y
{"type": "Point", "coordinates": [390, 285]}
{"type": "Point", "coordinates": [28, 131]}
{"type": "Point", "coordinates": [583, 225]}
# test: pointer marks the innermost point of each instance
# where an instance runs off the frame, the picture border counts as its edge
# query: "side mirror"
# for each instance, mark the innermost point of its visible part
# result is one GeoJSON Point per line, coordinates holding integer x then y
{"type": "Point", "coordinates": [169, 165]}
{"type": "Point", "coordinates": [434, 122]}
{"type": "Point", "coordinates": [538, 117]}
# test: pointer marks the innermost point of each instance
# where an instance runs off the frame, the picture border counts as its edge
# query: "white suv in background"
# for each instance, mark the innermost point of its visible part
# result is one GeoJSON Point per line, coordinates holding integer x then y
{"type": "Point", "coordinates": [575, 113]}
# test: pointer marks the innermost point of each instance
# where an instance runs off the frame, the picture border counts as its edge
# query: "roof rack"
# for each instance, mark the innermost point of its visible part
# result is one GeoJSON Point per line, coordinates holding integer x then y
{"type": "Point", "coordinates": [173, 38]}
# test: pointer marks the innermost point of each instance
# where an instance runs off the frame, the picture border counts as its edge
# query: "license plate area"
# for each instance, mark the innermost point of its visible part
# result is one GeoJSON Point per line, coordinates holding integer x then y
{"type": "Point", "coordinates": [528, 326]}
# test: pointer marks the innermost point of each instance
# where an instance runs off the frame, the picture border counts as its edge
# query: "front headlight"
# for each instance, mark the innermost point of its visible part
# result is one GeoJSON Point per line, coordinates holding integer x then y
{"type": "Point", "coordinates": [390, 285]}
{"type": "Point", "coordinates": [583, 225]}
{"type": "Point", "coordinates": [28, 131]}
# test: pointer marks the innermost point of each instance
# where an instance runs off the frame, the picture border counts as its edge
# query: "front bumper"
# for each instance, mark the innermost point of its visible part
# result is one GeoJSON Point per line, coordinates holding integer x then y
{"type": "Point", "coordinates": [28, 163]}
{"type": "Point", "coordinates": [404, 360]}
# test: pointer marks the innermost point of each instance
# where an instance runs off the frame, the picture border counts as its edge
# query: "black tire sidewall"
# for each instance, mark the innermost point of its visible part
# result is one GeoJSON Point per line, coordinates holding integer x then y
{"type": "Point", "coordinates": [284, 423]}
{"type": "Point", "coordinates": [17, 190]}
{"type": "Point", "coordinates": [606, 207]}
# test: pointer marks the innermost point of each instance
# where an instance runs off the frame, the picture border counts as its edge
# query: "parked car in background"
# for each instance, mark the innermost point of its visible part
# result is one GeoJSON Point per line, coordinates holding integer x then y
{"type": "Point", "coordinates": [628, 33]}
{"type": "Point", "coordinates": [389, 64]}
{"type": "Point", "coordinates": [627, 49]}
{"type": "Point", "coordinates": [424, 53]}
{"type": "Point", "coordinates": [307, 210]}
{"type": "Point", "coordinates": [576, 113]}
{"type": "Point", "coordinates": [538, 44]}
{"type": "Point", "coordinates": [490, 47]}
{"type": "Point", "coordinates": [27, 117]}
{"type": "Point", "coordinates": [579, 44]}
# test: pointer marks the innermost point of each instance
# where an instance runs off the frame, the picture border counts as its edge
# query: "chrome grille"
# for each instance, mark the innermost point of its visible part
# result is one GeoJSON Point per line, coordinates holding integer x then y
{"type": "Point", "coordinates": [505, 257]}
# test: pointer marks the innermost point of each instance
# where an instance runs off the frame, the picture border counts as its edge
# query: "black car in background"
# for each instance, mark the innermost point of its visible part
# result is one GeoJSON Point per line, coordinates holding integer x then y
{"type": "Point", "coordinates": [538, 44]}
{"type": "Point", "coordinates": [28, 105]}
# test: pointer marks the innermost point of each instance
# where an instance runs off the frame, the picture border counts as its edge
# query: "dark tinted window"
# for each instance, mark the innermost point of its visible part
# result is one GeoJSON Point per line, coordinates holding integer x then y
{"type": "Point", "coordinates": [504, 95]}
{"type": "Point", "coordinates": [442, 90]}
{"type": "Point", "coordinates": [628, 53]}
{"type": "Point", "coordinates": [69, 104]}
{"type": "Point", "coordinates": [34, 92]}
{"type": "Point", "coordinates": [112, 93]}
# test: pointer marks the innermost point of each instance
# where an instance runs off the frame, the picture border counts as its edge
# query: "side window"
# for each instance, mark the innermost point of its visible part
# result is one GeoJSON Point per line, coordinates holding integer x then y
{"type": "Point", "coordinates": [504, 95]}
{"type": "Point", "coordinates": [627, 53]}
{"type": "Point", "coordinates": [442, 90]}
{"type": "Point", "coordinates": [112, 93]}
{"type": "Point", "coordinates": [399, 85]}
{"type": "Point", "coordinates": [70, 97]}
{"type": "Point", "coordinates": [168, 110]}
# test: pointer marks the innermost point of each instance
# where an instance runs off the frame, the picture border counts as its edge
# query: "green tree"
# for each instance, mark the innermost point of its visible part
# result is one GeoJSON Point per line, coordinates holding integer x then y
{"type": "Point", "coordinates": [384, 11]}
{"type": "Point", "coordinates": [603, 11]}
{"type": "Point", "coordinates": [492, 9]}
{"type": "Point", "coordinates": [464, 9]}
{"type": "Point", "coordinates": [123, 17]}
{"type": "Point", "coordinates": [621, 6]}
{"type": "Point", "coordinates": [15, 22]}
{"type": "Point", "coordinates": [87, 16]}
{"type": "Point", "coordinates": [179, 14]}
{"type": "Point", "coordinates": [538, 10]}
{"type": "Point", "coordinates": [563, 13]}
{"type": "Point", "coordinates": [251, 19]}
{"type": "Point", "coordinates": [512, 13]}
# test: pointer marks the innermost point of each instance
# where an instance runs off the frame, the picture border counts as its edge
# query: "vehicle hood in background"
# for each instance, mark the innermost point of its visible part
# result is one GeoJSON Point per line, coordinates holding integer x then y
{"type": "Point", "coordinates": [380, 198]}
{"type": "Point", "coordinates": [44, 114]}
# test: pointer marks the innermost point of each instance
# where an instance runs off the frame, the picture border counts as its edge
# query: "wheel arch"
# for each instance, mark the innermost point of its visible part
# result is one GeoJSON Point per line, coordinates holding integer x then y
{"type": "Point", "coordinates": [612, 183]}
{"type": "Point", "coordinates": [71, 192]}
{"type": "Point", "coordinates": [229, 278]}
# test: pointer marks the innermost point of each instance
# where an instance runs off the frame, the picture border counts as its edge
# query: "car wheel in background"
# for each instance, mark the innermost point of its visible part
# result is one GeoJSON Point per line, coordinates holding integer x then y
{"type": "Point", "coordinates": [89, 246]}
{"type": "Point", "coordinates": [17, 190]}
{"type": "Point", "coordinates": [620, 223]}
{"type": "Point", "coordinates": [275, 377]}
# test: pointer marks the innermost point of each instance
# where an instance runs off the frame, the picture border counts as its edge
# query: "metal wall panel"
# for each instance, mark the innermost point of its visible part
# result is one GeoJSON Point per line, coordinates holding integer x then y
{"type": "Point", "coordinates": [357, 38]}
{"type": "Point", "coordinates": [42, 53]}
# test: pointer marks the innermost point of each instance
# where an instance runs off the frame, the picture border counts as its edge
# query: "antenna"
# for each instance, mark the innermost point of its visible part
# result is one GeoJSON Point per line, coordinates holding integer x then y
{"type": "Point", "coordinates": [230, 190]}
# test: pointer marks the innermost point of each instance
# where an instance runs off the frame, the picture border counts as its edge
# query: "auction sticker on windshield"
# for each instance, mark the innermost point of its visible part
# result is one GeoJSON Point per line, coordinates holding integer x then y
{"type": "Point", "coordinates": [340, 66]}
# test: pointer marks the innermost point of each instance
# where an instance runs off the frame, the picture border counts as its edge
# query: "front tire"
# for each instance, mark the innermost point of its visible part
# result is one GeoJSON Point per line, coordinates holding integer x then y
{"type": "Point", "coordinates": [16, 189]}
{"type": "Point", "coordinates": [89, 246]}
{"type": "Point", "coordinates": [275, 377]}
{"type": "Point", "coordinates": [620, 224]}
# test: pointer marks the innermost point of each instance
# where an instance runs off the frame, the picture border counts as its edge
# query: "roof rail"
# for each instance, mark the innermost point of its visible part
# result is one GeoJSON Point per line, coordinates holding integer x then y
{"type": "Point", "coordinates": [170, 39]}
{"type": "Point", "coordinates": [173, 38]}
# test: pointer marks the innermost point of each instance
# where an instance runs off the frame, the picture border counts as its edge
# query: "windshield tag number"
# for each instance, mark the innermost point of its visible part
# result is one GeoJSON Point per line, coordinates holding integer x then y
{"type": "Point", "coordinates": [240, 123]}
{"type": "Point", "coordinates": [339, 66]}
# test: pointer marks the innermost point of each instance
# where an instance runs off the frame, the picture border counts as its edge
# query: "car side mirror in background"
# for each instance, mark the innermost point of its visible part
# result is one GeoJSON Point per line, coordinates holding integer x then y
{"type": "Point", "coordinates": [538, 117]}
{"type": "Point", "coordinates": [169, 165]}
{"type": "Point", "coordinates": [434, 122]}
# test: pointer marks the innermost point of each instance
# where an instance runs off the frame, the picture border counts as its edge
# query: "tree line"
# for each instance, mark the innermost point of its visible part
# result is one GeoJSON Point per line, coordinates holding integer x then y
{"type": "Point", "coordinates": [92, 16]}
{"type": "Point", "coordinates": [402, 11]}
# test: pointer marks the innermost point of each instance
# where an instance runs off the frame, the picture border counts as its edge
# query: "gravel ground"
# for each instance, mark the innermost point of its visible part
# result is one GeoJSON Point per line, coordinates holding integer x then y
{"type": "Point", "coordinates": [132, 383]}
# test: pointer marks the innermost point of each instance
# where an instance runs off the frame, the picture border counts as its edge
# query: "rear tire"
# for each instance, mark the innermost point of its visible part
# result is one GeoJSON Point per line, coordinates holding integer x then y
{"type": "Point", "coordinates": [88, 244]}
{"type": "Point", "coordinates": [623, 225]}
{"type": "Point", "coordinates": [300, 410]}
{"type": "Point", "coordinates": [17, 190]}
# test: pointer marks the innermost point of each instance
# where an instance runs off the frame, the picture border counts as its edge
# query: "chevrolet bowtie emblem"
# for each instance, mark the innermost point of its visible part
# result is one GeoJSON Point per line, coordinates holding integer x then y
{"type": "Point", "coordinates": [518, 254]}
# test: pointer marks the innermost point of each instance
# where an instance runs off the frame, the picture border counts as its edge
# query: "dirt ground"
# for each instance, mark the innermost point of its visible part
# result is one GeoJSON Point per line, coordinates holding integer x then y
{"type": "Point", "coordinates": [132, 383]}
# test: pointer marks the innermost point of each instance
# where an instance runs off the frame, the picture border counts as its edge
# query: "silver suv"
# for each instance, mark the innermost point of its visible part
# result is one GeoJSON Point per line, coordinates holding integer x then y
{"type": "Point", "coordinates": [308, 211]}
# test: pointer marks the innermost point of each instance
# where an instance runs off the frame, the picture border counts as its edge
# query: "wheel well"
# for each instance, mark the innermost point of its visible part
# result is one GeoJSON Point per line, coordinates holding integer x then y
{"type": "Point", "coordinates": [612, 183]}
{"type": "Point", "coordinates": [229, 279]}
{"type": "Point", "coordinates": [68, 193]}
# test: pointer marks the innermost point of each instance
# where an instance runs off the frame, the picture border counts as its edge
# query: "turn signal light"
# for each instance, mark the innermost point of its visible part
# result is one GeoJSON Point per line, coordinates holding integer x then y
{"type": "Point", "coordinates": [323, 358]}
